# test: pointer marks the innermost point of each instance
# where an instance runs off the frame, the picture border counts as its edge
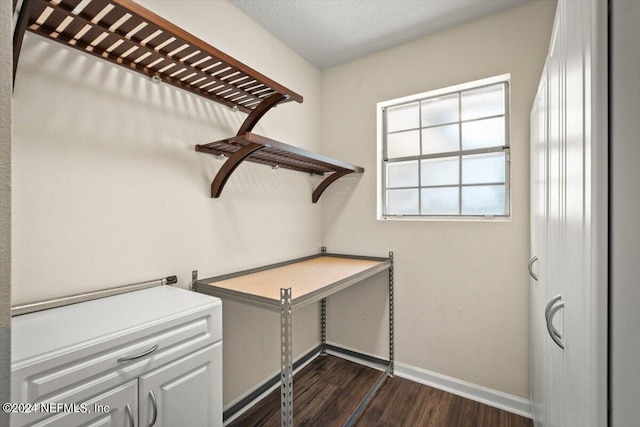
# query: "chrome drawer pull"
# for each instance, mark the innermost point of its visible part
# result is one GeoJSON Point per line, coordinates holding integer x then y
{"type": "Point", "coordinates": [129, 412]}
{"type": "Point", "coordinates": [154, 405]}
{"type": "Point", "coordinates": [555, 336]}
{"type": "Point", "coordinates": [531, 273]}
{"type": "Point", "coordinates": [138, 356]}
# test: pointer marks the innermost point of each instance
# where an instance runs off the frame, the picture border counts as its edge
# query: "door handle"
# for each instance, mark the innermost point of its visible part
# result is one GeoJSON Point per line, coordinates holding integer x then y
{"type": "Point", "coordinates": [550, 304]}
{"type": "Point", "coordinates": [154, 406]}
{"type": "Point", "coordinates": [550, 313]}
{"type": "Point", "coordinates": [531, 273]}
{"type": "Point", "coordinates": [129, 412]}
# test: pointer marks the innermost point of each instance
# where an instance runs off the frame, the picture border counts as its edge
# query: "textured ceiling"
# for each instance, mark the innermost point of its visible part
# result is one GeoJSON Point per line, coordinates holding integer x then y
{"type": "Point", "coordinates": [331, 32]}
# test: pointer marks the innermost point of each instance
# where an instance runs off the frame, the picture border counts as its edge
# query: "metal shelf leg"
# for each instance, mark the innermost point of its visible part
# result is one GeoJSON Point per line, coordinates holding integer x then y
{"type": "Point", "coordinates": [286, 358]}
{"type": "Point", "coordinates": [391, 315]}
{"type": "Point", "coordinates": [323, 326]}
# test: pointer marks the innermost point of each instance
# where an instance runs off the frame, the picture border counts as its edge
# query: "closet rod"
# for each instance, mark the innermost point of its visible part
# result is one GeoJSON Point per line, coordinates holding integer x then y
{"type": "Point", "coordinates": [17, 310]}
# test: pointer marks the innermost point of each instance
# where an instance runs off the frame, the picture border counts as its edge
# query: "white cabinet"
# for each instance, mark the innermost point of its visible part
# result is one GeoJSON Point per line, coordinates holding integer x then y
{"type": "Point", "coordinates": [121, 361]}
{"type": "Point", "coordinates": [569, 223]}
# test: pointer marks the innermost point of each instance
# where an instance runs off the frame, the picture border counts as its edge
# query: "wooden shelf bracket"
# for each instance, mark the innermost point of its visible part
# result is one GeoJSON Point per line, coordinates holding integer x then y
{"type": "Point", "coordinates": [252, 119]}
{"type": "Point", "coordinates": [327, 182]}
{"type": "Point", "coordinates": [229, 166]}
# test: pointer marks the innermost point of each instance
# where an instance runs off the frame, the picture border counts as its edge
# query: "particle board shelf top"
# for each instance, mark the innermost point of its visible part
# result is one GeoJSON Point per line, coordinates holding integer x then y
{"type": "Point", "coordinates": [127, 34]}
{"type": "Point", "coordinates": [310, 279]}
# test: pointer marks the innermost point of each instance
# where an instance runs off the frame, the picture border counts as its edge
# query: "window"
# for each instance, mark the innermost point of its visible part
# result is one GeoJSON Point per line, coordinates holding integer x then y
{"type": "Point", "coordinates": [445, 153]}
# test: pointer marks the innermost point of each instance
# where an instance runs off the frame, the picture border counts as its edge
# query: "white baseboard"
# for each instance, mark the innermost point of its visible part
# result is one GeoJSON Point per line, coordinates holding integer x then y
{"type": "Point", "coordinates": [485, 395]}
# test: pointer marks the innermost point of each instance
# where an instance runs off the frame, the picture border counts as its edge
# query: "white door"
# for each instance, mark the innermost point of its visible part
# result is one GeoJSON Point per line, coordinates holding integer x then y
{"type": "Point", "coordinates": [576, 311]}
{"type": "Point", "coordinates": [117, 407]}
{"type": "Point", "coordinates": [572, 390]}
{"type": "Point", "coordinates": [538, 150]}
{"type": "Point", "coordinates": [187, 392]}
{"type": "Point", "coordinates": [585, 227]}
{"type": "Point", "coordinates": [555, 261]}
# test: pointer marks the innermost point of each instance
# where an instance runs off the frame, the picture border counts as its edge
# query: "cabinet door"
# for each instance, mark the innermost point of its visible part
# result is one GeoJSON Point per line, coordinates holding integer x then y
{"type": "Point", "coordinates": [585, 281]}
{"type": "Point", "coordinates": [539, 337]}
{"type": "Point", "coordinates": [187, 392]}
{"type": "Point", "coordinates": [556, 205]}
{"type": "Point", "coordinates": [117, 407]}
{"type": "Point", "coordinates": [576, 250]}
{"type": "Point", "coordinates": [576, 254]}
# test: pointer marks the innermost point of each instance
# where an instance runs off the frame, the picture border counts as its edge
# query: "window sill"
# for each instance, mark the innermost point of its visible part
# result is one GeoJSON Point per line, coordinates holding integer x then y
{"type": "Point", "coordinates": [447, 218]}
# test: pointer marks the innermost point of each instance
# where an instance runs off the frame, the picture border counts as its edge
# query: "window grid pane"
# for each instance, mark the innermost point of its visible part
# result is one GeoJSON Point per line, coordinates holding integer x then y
{"type": "Point", "coordinates": [483, 102]}
{"type": "Point", "coordinates": [440, 110]}
{"type": "Point", "coordinates": [441, 139]}
{"type": "Point", "coordinates": [402, 202]}
{"type": "Point", "coordinates": [440, 201]}
{"type": "Point", "coordinates": [475, 134]}
{"type": "Point", "coordinates": [483, 200]}
{"type": "Point", "coordinates": [403, 144]}
{"type": "Point", "coordinates": [403, 117]}
{"type": "Point", "coordinates": [402, 174]}
{"type": "Point", "coordinates": [483, 168]}
{"type": "Point", "coordinates": [440, 171]}
{"type": "Point", "coordinates": [483, 133]}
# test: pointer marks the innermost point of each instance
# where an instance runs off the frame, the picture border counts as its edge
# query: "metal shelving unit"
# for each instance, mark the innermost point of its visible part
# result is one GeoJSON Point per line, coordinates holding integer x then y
{"type": "Point", "coordinates": [260, 287]}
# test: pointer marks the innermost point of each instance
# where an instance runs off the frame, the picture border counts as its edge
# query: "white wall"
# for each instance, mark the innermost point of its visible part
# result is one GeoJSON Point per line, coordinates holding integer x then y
{"type": "Point", "coordinates": [625, 206]}
{"type": "Point", "coordinates": [109, 190]}
{"type": "Point", "coordinates": [461, 288]}
{"type": "Point", "coordinates": [5, 210]}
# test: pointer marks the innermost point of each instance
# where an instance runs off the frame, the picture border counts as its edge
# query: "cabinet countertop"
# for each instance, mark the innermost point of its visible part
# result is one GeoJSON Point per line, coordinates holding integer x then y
{"type": "Point", "coordinates": [39, 332]}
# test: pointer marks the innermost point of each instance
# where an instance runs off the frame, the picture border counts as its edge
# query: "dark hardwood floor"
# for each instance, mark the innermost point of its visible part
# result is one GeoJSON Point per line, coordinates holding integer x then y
{"type": "Point", "coordinates": [328, 390]}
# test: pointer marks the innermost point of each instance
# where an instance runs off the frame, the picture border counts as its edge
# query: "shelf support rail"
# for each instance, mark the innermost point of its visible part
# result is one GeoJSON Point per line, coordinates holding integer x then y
{"type": "Point", "coordinates": [364, 403]}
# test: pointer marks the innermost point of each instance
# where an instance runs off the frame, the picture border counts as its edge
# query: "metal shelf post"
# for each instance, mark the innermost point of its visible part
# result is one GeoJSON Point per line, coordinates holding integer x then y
{"type": "Point", "coordinates": [286, 358]}
{"type": "Point", "coordinates": [391, 314]}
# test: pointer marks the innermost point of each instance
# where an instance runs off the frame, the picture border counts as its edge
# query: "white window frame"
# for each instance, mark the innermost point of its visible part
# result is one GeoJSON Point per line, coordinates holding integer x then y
{"type": "Point", "coordinates": [381, 147]}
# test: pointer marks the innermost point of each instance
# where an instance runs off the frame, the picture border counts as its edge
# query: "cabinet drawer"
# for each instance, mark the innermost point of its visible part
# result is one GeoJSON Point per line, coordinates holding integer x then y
{"type": "Point", "coordinates": [171, 343]}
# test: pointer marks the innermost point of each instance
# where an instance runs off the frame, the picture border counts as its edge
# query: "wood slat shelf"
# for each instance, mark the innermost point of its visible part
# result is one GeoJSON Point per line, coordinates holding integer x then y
{"type": "Point", "coordinates": [125, 33]}
{"type": "Point", "coordinates": [259, 149]}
